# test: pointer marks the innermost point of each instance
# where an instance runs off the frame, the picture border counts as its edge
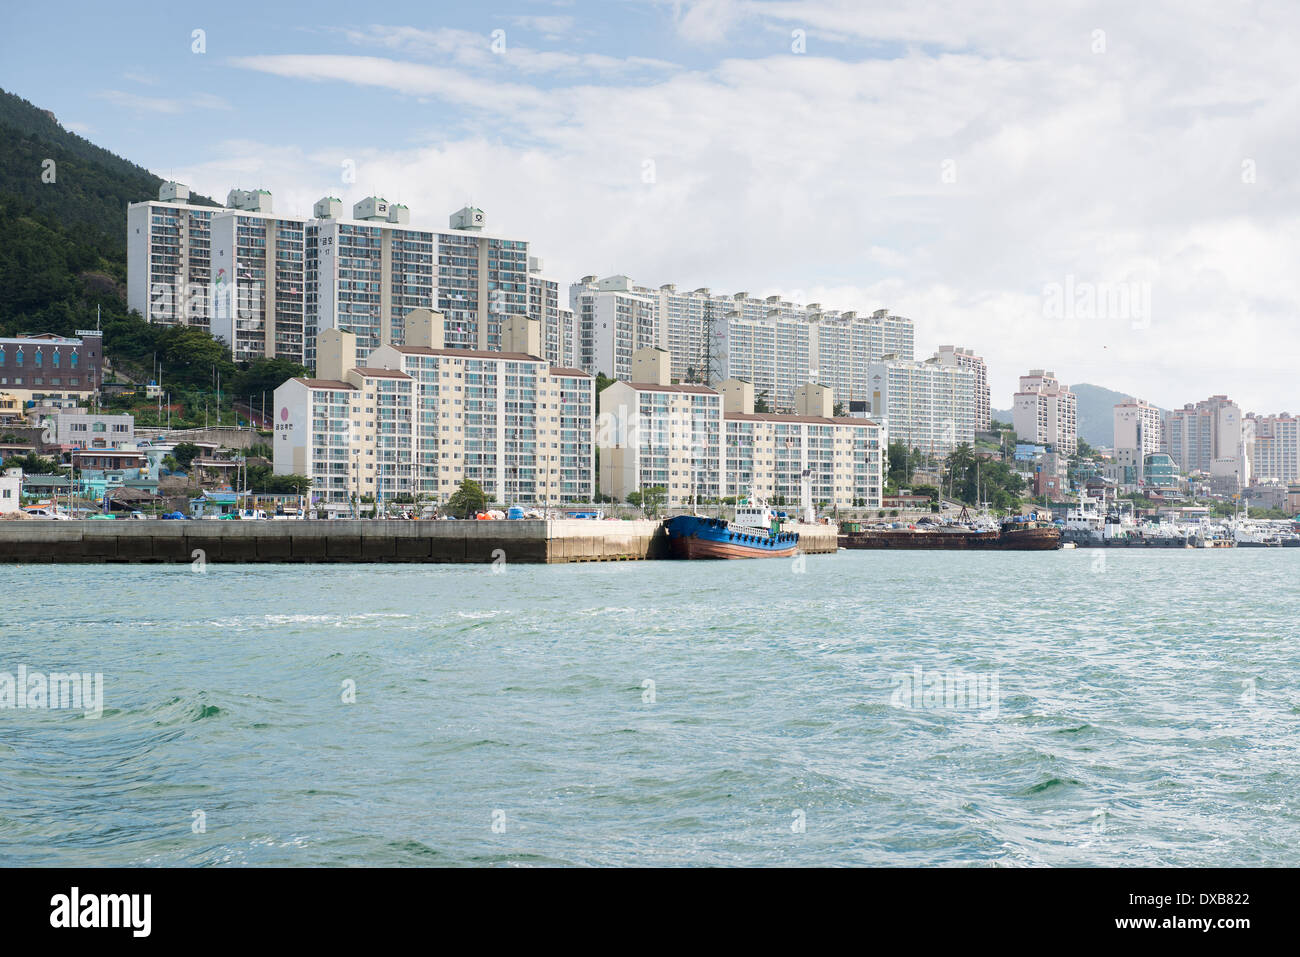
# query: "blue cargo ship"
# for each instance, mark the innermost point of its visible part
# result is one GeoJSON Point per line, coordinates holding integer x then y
{"type": "Point", "coordinates": [755, 533]}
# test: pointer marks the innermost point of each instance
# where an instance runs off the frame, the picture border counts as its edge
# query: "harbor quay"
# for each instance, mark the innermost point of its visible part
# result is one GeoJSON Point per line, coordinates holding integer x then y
{"type": "Point", "coordinates": [353, 540]}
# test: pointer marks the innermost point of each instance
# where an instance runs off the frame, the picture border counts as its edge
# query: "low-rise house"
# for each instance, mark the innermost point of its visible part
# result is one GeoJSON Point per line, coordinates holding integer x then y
{"type": "Point", "coordinates": [89, 430]}
{"type": "Point", "coordinates": [11, 490]}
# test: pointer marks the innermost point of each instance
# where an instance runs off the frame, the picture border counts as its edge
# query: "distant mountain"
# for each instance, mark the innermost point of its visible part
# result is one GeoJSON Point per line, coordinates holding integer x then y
{"type": "Point", "coordinates": [1096, 413]}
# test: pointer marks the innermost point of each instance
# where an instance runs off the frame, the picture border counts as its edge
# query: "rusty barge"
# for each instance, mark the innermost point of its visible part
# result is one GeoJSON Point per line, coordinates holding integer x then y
{"type": "Point", "coordinates": [1026, 536]}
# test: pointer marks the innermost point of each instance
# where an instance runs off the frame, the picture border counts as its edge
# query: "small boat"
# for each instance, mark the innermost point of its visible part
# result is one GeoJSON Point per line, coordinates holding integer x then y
{"type": "Point", "coordinates": [755, 533]}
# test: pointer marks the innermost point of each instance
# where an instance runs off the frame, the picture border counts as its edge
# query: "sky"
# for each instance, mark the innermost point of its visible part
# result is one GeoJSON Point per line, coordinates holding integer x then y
{"type": "Point", "coordinates": [1108, 191]}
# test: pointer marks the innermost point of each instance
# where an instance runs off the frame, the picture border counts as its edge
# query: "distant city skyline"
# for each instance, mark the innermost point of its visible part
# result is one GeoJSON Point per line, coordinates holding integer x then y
{"type": "Point", "coordinates": [1093, 195]}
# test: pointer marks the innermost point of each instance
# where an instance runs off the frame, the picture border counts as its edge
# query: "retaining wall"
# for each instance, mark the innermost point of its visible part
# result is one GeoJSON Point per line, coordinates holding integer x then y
{"type": "Point", "coordinates": [529, 542]}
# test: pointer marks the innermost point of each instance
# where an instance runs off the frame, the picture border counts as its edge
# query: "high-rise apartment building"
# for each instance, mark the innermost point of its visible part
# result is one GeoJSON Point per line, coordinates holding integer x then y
{"type": "Point", "coordinates": [507, 419]}
{"type": "Point", "coordinates": [349, 433]}
{"type": "Point", "coordinates": [427, 417]}
{"type": "Point", "coordinates": [614, 318]}
{"type": "Point", "coordinates": [1046, 412]}
{"type": "Point", "coordinates": [924, 404]}
{"type": "Point", "coordinates": [168, 249]}
{"type": "Point", "coordinates": [482, 279]}
{"type": "Point", "coordinates": [559, 334]}
{"type": "Point", "coordinates": [967, 359]}
{"type": "Point", "coordinates": [775, 354]}
{"type": "Point", "coordinates": [1277, 448]}
{"type": "Point", "coordinates": [843, 345]}
{"type": "Point", "coordinates": [258, 278]}
{"type": "Point", "coordinates": [791, 347]}
{"type": "Point", "coordinates": [1213, 437]}
{"type": "Point", "coordinates": [699, 443]}
{"type": "Point", "coordinates": [656, 434]}
{"type": "Point", "coordinates": [360, 275]}
{"type": "Point", "coordinates": [365, 274]}
{"type": "Point", "coordinates": [1138, 432]}
{"type": "Point", "coordinates": [772, 455]}
{"type": "Point", "coordinates": [776, 344]}
{"type": "Point", "coordinates": [691, 326]}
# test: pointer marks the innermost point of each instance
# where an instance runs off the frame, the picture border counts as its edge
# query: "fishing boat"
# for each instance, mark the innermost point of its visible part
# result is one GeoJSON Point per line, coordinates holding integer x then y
{"type": "Point", "coordinates": [1248, 534]}
{"type": "Point", "coordinates": [1084, 523]}
{"type": "Point", "coordinates": [754, 533]}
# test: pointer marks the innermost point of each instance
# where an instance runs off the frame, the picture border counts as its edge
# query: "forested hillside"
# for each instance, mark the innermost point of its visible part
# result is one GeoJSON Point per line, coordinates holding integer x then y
{"type": "Point", "coordinates": [63, 253]}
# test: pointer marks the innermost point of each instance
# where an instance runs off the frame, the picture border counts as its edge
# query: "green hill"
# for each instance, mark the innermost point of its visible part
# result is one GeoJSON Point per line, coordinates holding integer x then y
{"type": "Point", "coordinates": [63, 255]}
{"type": "Point", "coordinates": [91, 186]}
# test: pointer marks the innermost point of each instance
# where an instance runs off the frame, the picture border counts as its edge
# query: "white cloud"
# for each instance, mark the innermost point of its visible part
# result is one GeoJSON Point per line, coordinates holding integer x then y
{"type": "Point", "coordinates": [161, 104]}
{"type": "Point", "coordinates": [500, 52]}
{"type": "Point", "coordinates": [708, 21]}
{"type": "Point", "coordinates": [989, 154]}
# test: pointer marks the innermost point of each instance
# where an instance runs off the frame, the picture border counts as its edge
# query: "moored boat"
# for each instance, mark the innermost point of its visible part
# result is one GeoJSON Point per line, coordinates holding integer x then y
{"type": "Point", "coordinates": [755, 533]}
{"type": "Point", "coordinates": [1013, 535]}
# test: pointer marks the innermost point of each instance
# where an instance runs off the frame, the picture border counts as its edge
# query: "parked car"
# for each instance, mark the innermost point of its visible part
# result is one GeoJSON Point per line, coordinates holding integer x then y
{"type": "Point", "coordinates": [47, 512]}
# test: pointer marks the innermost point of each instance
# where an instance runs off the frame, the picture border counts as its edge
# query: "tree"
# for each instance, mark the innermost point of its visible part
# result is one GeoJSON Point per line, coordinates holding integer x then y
{"type": "Point", "coordinates": [288, 484]}
{"type": "Point", "coordinates": [839, 410]}
{"type": "Point", "coordinates": [262, 478]}
{"type": "Point", "coordinates": [185, 453]}
{"type": "Point", "coordinates": [971, 479]}
{"type": "Point", "coordinates": [652, 499]}
{"type": "Point", "coordinates": [468, 499]}
{"type": "Point", "coordinates": [264, 375]}
{"type": "Point", "coordinates": [760, 402]}
{"type": "Point", "coordinates": [33, 464]}
{"type": "Point", "coordinates": [899, 472]}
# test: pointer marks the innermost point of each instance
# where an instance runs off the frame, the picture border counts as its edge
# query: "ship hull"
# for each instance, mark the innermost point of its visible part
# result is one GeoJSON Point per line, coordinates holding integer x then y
{"type": "Point", "coordinates": [1022, 540]}
{"type": "Point", "coordinates": [1135, 542]}
{"type": "Point", "coordinates": [691, 537]}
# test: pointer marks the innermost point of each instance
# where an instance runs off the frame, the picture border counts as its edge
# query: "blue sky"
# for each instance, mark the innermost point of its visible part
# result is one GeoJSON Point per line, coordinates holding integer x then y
{"type": "Point", "coordinates": [958, 163]}
{"type": "Point", "coordinates": [145, 53]}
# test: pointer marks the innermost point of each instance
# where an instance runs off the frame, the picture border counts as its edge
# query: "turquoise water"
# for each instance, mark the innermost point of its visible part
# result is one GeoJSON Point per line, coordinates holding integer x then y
{"type": "Point", "coordinates": [1146, 712]}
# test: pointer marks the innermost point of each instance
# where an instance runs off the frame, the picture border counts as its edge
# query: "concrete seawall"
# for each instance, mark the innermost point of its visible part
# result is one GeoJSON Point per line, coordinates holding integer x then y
{"type": "Point", "coordinates": [528, 542]}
